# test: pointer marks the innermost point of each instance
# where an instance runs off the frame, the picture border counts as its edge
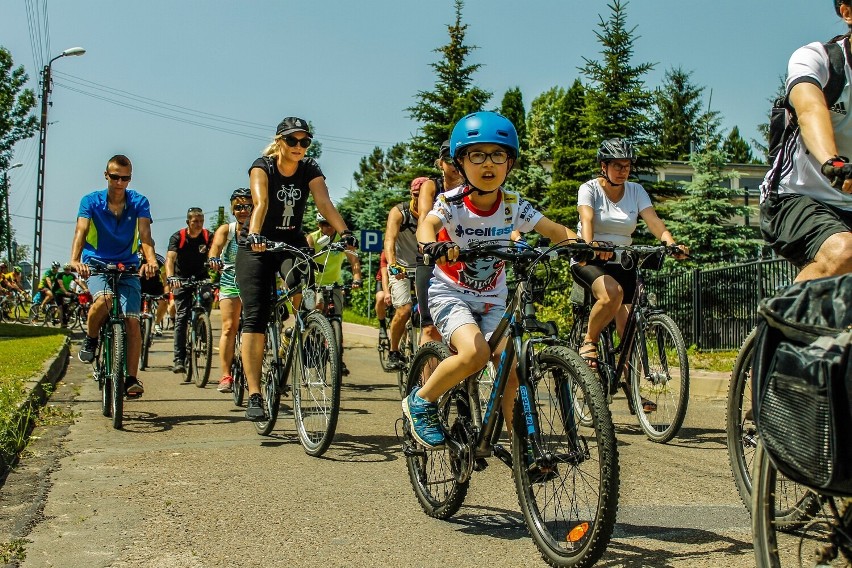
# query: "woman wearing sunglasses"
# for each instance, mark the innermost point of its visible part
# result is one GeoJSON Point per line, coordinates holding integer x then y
{"type": "Point", "coordinates": [281, 181]}
{"type": "Point", "coordinates": [223, 255]}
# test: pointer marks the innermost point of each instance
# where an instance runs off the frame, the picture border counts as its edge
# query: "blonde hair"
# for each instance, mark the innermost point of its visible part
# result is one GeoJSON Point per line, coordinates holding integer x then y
{"type": "Point", "coordinates": [272, 149]}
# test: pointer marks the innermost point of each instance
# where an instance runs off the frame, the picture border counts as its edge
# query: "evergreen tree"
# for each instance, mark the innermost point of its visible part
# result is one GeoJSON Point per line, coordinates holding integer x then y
{"type": "Point", "coordinates": [677, 115]}
{"type": "Point", "coordinates": [512, 107]}
{"type": "Point", "coordinates": [16, 123]}
{"type": "Point", "coordinates": [571, 156]}
{"type": "Point", "coordinates": [453, 97]}
{"type": "Point", "coordinates": [737, 149]}
{"type": "Point", "coordinates": [541, 121]}
{"type": "Point", "coordinates": [704, 219]}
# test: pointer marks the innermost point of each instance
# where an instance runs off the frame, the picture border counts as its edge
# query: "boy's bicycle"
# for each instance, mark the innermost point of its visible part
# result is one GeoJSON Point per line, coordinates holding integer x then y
{"type": "Point", "coordinates": [199, 336]}
{"type": "Point", "coordinates": [649, 362]}
{"type": "Point", "coordinates": [110, 362]}
{"type": "Point", "coordinates": [566, 472]}
{"type": "Point", "coordinates": [307, 356]}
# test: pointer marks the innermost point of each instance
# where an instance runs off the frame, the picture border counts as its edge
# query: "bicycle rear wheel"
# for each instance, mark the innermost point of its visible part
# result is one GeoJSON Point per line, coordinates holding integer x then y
{"type": "Point", "coordinates": [407, 347]}
{"type": "Point", "coordinates": [316, 381]}
{"type": "Point", "coordinates": [239, 388]}
{"type": "Point", "coordinates": [103, 371]}
{"type": "Point", "coordinates": [202, 350]}
{"type": "Point", "coordinates": [569, 500]}
{"type": "Point", "coordinates": [822, 540]}
{"type": "Point", "coordinates": [740, 427]}
{"type": "Point", "coordinates": [117, 376]}
{"type": "Point", "coordinates": [146, 342]}
{"type": "Point", "coordinates": [269, 385]}
{"type": "Point", "coordinates": [667, 383]}
{"type": "Point", "coordinates": [433, 472]}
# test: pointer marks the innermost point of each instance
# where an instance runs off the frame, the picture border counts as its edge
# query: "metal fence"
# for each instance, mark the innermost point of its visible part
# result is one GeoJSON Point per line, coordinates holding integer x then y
{"type": "Point", "coordinates": [716, 308]}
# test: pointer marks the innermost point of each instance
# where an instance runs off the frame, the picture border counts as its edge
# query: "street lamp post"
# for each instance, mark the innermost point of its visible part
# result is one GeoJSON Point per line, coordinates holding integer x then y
{"type": "Point", "coordinates": [9, 255]}
{"type": "Point", "coordinates": [42, 143]}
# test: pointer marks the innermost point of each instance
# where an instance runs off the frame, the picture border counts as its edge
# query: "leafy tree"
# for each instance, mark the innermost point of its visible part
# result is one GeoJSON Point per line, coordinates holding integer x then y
{"type": "Point", "coordinates": [541, 121]}
{"type": "Point", "coordinates": [16, 119]}
{"type": "Point", "coordinates": [383, 168]}
{"type": "Point", "coordinates": [704, 218]}
{"type": "Point", "coordinates": [737, 149]}
{"type": "Point", "coordinates": [677, 115]}
{"type": "Point", "coordinates": [454, 95]}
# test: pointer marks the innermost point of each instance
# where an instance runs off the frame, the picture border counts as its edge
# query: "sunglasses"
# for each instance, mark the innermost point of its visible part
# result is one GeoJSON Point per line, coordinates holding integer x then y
{"type": "Point", "coordinates": [243, 207]}
{"type": "Point", "coordinates": [193, 210]}
{"type": "Point", "coordinates": [116, 177]}
{"type": "Point", "coordinates": [292, 141]}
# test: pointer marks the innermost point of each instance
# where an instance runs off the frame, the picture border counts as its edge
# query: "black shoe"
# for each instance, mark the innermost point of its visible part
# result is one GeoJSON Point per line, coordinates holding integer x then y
{"type": "Point", "coordinates": [178, 367]}
{"type": "Point", "coordinates": [254, 410]}
{"type": "Point", "coordinates": [344, 370]}
{"type": "Point", "coordinates": [133, 388]}
{"type": "Point", "coordinates": [87, 349]}
{"type": "Point", "coordinates": [395, 360]}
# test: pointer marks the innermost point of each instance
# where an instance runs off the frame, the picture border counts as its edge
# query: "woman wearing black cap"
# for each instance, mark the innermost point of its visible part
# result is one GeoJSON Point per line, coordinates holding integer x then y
{"type": "Point", "coordinates": [281, 181]}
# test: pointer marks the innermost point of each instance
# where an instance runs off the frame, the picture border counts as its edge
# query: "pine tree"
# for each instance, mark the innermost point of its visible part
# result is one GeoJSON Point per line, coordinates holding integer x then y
{"type": "Point", "coordinates": [677, 114]}
{"type": "Point", "coordinates": [571, 157]}
{"type": "Point", "coordinates": [737, 149]}
{"type": "Point", "coordinates": [512, 107]}
{"type": "Point", "coordinates": [453, 97]}
{"type": "Point", "coordinates": [704, 219]}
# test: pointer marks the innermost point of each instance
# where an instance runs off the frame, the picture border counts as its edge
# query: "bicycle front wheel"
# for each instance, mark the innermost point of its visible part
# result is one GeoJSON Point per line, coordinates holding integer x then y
{"type": "Point", "coordinates": [117, 376]}
{"type": "Point", "coordinates": [433, 472]}
{"type": "Point", "coordinates": [407, 347]}
{"type": "Point", "coordinates": [239, 388]}
{"type": "Point", "coordinates": [316, 381]}
{"type": "Point", "coordinates": [569, 498]}
{"type": "Point", "coordinates": [103, 371]}
{"type": "Point", "coordinates": [269, 385]}
{"type": "Point", "coordinates": [821, 539]}
{"type": "Point", "coordinates": [666, 384]}
{"type": "Point", "coordinates": [202, 350]}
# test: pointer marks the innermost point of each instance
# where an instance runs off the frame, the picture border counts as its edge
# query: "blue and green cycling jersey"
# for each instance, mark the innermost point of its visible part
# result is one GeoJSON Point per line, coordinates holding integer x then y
{"type": "Point", "coordinates": [113, 238]}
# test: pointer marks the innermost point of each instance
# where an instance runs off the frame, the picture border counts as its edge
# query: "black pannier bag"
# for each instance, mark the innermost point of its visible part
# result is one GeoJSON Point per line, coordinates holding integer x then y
{"type": "Point", "coordinates": [802, 395]}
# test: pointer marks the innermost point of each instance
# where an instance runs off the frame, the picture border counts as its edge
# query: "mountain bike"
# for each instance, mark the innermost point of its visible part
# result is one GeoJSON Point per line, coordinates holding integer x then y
{"type": "Point", "coordinates": [146, 321]}
{"type": "Point", "coordinates": [14, 307]}
{"type": "Point", "coordinates": [649, 362]}
{"type": "Point", "coordinates": [566, 473]}
{"type": "Point", "coordinates": [383, 345]}
{"type": "Point", "coordinates": [305, 358]}
{"type": "Point", "coordinates": [238, 391]}
{"type": "Point", "coordinates": [199, 336]}
{"type": "Point", "coordinates": [110, 362]}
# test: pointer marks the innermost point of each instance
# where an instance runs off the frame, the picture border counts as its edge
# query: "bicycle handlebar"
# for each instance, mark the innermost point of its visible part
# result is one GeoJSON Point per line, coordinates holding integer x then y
{"type": "Point", "coordinates": [100, 267]}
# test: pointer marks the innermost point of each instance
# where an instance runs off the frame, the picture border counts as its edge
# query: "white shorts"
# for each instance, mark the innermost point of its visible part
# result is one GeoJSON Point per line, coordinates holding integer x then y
{"type": "Point", "coordinates": [400, 291]}
{"type": "Point", "coordinates": [450, 313]}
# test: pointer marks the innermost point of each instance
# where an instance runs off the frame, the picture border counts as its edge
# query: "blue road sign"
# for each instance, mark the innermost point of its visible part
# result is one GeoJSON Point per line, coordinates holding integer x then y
{"type": "Point", "coordinates": [372, 241]}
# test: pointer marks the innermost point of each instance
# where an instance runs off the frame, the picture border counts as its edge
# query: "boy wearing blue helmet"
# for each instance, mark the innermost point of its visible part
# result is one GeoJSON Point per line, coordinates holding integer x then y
{"type": "Point", "coordinates": [484, 147]}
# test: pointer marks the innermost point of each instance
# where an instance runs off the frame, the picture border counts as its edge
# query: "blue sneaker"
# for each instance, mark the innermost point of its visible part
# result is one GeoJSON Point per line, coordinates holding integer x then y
{"type": "Point", "coordinates": [423, 415]}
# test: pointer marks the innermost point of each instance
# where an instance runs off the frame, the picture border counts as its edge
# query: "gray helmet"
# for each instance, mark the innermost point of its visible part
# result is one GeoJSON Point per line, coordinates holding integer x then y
{"type": "Point", "coordinates": [243, 192]}
{"type": "Point", "coordinates": [320, 218]}
{"type": "Point", "coordinates": [616, 149]}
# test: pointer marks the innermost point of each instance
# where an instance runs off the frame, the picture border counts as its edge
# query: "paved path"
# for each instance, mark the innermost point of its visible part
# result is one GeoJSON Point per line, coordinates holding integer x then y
{"type": "Point", "coordinates": [188, 483]}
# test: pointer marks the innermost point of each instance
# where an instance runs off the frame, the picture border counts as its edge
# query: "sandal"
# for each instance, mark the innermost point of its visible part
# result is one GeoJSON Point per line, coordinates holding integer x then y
{"type": "Point", "coordinates": [648, 405]}
{"type": "Point", "coordinates": [590, 355]}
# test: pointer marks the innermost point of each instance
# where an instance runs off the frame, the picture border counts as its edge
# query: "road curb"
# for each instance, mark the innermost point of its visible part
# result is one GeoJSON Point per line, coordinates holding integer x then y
{"type": "Point", "coordinates": [37, 393]}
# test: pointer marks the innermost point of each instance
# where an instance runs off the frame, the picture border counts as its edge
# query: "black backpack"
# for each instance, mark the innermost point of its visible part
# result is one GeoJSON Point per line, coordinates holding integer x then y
{"type": "Point", "coordinates": [802, 391]}
{"type": "Point", "coordinates": [783, 124]}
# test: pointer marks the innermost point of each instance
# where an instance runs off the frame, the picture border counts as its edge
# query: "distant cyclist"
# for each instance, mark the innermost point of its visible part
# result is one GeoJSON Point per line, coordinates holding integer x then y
{"type": "Point", "coordinates": [331, 264]}
{"type": "Point", "coordinates": [280, 181]}
{"type": "Point", "coordinates": [807, 218]}
{"type": "Point", "coordinates": [223, 256]}
{"type": "Point", "coordinates": [401, 250]}
{"type": "Point", "coordinates": [47, 284]}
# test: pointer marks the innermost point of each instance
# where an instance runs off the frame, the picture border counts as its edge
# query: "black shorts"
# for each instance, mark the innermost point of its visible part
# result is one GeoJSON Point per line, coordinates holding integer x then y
{"type": "Point", "coordinates": [152, 286]}
{"type": "Point", "coordinates": [422, 276]}
{"type": "Point", "coordinates": [586, 275]}
{"type": "Point", "coordinates": [795, 226]}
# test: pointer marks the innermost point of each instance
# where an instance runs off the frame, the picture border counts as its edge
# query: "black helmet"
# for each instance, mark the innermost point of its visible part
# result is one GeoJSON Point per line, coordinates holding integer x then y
{"type": "Point", "coordinates": [616, 149]}
{"type": "Point", "coordinates": [444, 152]}
{"type": "Point", "coordinates": [241, 192]}
{"type": "Point", "coordinates": [55, 265]}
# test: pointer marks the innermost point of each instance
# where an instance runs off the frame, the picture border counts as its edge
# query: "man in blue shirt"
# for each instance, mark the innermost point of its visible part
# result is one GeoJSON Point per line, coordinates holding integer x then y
{"type": "Point", "coordinates": [112, 224]}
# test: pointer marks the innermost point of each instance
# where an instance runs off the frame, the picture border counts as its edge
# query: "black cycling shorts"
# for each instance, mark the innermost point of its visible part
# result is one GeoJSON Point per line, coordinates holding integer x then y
{"type": "Point", "coordinates": [152, 286]}
{"type": "Point", "coordinates": [795, 226]}
{"type": "Point", "coordinates": [586, 275]}
{"type": "Point", "coordinates": [422, 275]}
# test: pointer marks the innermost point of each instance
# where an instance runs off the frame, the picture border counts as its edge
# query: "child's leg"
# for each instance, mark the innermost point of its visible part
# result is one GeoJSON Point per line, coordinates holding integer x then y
{"type": "Point", "coordinates": [472, 355]}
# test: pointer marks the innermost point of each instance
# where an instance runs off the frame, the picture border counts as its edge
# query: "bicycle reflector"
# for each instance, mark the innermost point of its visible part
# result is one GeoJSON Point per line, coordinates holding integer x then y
{"type": "Point", "coordinates": [578, 532]}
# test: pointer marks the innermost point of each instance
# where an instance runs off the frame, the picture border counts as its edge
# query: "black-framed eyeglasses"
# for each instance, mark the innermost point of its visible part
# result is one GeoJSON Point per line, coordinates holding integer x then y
{"type": "Point", "coordinates": [497, 157]}
{"type": "Point", "coordinates": [193, 210]}
{"type": "Point", "coordinates": [116, 177]}
{"type": "Point", "coordinates": [292, 141]}
{"type": "Point", "coordinates": [243, 207]}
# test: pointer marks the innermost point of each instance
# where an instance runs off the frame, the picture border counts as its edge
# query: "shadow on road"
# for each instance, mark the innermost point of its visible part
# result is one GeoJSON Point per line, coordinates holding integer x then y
{"type": "Point", "coordinates": [491, 521]}
{"type": "Point", "coordinates": [368, 449]}
{"type": "Point", "coordinates": [625, 553]}
{"type": "Point", "coordinates": [139, 422]}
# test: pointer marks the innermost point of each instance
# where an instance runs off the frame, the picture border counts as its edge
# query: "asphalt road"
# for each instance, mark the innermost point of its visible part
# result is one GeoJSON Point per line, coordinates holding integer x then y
{"type": "Point", "coordinates": [188, 483]}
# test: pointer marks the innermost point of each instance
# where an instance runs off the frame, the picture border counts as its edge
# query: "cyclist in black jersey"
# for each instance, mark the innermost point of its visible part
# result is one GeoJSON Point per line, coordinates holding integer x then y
{"type": "Point", "coordinates": [450, 177]}
{"type": "Point", "coordinates": [280, 181]}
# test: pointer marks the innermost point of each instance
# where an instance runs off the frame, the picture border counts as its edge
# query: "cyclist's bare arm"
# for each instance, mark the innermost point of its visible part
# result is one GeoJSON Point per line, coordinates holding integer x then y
{"type": "Point", "coordinates": [218, 241]}
{"type": "Point", "coordinates": [150, 267]}
{"type": "Point", "coordinates": [587, 218]}
{"type": "Point", "coordinates": [391, 234]}
{"type": "Point", "coordinates": [659, 230]}
{"type": "Point", "coordinates": [80, 232]}
{"type": "Point", "coordinates": [259, 184]}
{"type": "Point", "coordinates": [426, 199]}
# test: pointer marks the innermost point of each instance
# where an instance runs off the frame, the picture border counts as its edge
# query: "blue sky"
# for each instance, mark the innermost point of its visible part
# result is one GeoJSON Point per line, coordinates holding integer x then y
{"type": "Point", "coordinates": [215, 77]}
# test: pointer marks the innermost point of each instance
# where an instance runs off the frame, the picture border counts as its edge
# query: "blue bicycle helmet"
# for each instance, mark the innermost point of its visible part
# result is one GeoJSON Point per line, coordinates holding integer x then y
{"type": "Point", "coordinates": [484, 128]}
